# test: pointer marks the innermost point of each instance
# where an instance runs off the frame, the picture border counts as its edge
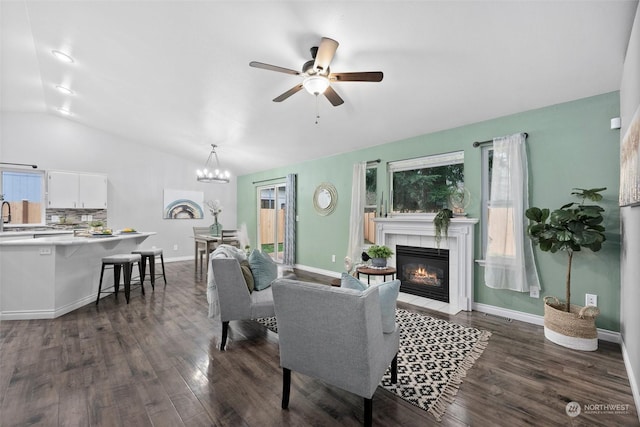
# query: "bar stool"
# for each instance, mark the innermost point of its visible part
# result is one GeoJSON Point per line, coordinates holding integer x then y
{"type": "Point", "coordinates": [150, 255]}
{"type": "Point", "coordinates": [120, 262]}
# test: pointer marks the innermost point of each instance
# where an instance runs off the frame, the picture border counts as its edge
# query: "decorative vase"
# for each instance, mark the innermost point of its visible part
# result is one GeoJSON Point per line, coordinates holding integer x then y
{"type": "Point", "coordinates": [379, 262]}
{"type": "Point", "coordinates": [216, 228]}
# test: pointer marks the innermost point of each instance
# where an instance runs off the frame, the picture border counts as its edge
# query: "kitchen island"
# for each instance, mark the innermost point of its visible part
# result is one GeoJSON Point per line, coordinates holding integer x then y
{"type": "Point", "coordinates": [46, 277]}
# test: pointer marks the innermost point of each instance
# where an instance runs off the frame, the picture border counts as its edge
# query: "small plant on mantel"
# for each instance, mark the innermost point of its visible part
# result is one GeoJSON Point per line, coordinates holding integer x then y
{"type": "Point", "coordinates": [441, 223]}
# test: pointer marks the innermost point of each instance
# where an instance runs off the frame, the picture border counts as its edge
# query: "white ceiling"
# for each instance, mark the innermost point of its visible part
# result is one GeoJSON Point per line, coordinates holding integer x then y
{"type": "Point", "coordinates": [176, 75]}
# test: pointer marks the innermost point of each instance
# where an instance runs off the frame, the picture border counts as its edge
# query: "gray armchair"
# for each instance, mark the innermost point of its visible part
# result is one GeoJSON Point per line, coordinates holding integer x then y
{"type": "Point", "coordinates": [233, 296]}
{"type": "Point", "coordinates": [335, 335]}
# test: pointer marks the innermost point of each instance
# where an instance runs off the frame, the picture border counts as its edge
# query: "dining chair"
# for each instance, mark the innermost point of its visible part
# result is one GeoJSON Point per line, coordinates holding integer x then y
{"type": "Point", "coordinates": [230, 237]}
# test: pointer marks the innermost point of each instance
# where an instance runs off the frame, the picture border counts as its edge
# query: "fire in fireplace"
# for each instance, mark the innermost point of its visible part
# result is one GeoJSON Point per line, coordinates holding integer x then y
{"type": "Point", "coordinates": [423, 271]}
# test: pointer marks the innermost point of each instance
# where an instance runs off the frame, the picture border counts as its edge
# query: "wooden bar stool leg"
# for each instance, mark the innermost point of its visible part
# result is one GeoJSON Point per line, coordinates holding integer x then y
{"type": "Point", "coordinates": [127, 280]}
{"type": "Point", "coordinates": [163, 275]}
{"type": "Point", "coordinates": [152, 270]}
{"type": "Point", "coordinates": [140, 271]}
{"type": "Point", "coordinates": [100, 285]}
{"type": "Point", "coordinates": [142, 267]}
{"type": "Point", "coordinates": [116, 278]}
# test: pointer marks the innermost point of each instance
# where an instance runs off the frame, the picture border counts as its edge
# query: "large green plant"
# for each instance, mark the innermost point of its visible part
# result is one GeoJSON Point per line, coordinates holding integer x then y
{"type": "Point", "coordinates": [570, 228]}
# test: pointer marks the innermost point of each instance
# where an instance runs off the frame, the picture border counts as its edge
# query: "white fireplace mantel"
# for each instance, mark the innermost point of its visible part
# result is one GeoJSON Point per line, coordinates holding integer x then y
{"type": "Point", "coordinates": [420, 232]}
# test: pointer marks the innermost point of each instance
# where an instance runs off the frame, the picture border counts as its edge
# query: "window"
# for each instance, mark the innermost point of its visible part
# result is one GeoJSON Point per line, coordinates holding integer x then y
{"type": "Point", "coordinates": [423, 185]}
{"type": "Point", "coordinates": [24, 192]}
{"type": "Point", "coordinates": [371, 184]}
{"type": "Point", "coordinates": [497, 241]}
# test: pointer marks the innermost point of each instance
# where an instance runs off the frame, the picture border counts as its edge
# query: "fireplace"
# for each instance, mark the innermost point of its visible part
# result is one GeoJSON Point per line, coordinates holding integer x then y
{"type": "Point", "coordinates": [423, 271]}
{"type": "Point", "coordinates": [420, 232]}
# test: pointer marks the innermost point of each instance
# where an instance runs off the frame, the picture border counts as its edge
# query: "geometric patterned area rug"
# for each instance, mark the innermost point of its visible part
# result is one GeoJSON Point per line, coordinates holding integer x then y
{"type": "Point", "coordinates": [434, 357]}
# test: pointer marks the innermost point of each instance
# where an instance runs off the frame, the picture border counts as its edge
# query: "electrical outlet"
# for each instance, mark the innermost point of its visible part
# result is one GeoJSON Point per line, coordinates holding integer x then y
{"type": "Point", "coordinates": [534, 293]}
{"type": "Point", "coordinates": [591, 300]}
{"type": "Point", "coordinates": [333, 258]}
{"type": "Point", "coordinates": [45, 251]}
{"type": "Point", "coordinates": [175, 247]}
{"type": "Point", "coordinates": [89, 217]}
{"type": "Point", "coordinates": [83, 218]}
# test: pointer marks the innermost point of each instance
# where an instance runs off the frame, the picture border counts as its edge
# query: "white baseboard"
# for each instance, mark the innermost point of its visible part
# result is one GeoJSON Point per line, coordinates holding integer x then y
{"type": "Point", "coordinates": [603, 334]}
{"type": "Point", "coordinates": [318, 270]}
{"type": "Point", "coordinates": [47, 314]}
{"type": "Point", "coordinates": [635, 391]}
{"type": "Point", "coordinates": [27, 314]}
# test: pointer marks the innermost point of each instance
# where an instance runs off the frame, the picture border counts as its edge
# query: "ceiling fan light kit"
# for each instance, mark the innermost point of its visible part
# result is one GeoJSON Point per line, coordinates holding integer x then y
{"type": "Point", "coordinates": [317, 75]}
{"type": "Point", "coordinates": [316, 84]}
{"type": "Point", "coordinates": [217, 176]}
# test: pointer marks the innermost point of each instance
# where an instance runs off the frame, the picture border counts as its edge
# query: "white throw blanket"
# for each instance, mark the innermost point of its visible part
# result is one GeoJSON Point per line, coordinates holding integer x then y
{"type": "Point", "coordinates": [222, 251]}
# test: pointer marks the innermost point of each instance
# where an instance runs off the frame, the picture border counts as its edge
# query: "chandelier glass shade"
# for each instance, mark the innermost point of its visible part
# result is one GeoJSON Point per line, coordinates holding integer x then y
{"type": "Point", "coordinates": [211, 173]}
{"type": "Point", "coordinates": [315, 84]}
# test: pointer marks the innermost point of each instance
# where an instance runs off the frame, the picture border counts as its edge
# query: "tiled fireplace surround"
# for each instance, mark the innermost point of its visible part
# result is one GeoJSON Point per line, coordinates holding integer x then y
{"type": "Point", "coordinates": [420, 232]}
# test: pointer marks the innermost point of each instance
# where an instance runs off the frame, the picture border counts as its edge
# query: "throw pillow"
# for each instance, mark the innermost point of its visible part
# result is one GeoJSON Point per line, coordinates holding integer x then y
{"type": "Point", "coordinates": [388, 292]}
{"type": "Point", "coordinates": [247, 274]}
{"type": "Point", "coordinates": [350, 282]}
{"type": "Point", "coordinates": [263, 268]}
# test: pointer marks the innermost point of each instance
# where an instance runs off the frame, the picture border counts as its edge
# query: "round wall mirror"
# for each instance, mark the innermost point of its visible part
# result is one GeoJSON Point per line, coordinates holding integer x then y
{"type": "Point", "coordinates": [325, 198]}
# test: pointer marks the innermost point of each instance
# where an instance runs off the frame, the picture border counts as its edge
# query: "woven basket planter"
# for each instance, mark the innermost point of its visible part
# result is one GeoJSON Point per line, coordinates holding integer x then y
{"type": "Point", "coordinates": [575, 329]}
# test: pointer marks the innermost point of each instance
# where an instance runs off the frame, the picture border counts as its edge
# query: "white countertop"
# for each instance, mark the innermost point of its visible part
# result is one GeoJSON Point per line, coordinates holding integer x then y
{"type": "Point", "coordinates": [70, 239]}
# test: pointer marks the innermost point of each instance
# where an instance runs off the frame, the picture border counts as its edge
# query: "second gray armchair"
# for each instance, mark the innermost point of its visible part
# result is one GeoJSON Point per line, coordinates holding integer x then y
{"type": "Point", "coordinates": [335, 335]}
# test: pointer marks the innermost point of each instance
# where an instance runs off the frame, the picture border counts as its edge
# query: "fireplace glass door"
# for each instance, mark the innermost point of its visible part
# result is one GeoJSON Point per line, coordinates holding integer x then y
{"type": "Point", "coordinates": [423, 271]}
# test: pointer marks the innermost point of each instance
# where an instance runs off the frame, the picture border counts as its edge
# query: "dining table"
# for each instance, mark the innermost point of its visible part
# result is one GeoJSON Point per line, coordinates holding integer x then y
{"type": "Point", "coordinates": [210, 242]}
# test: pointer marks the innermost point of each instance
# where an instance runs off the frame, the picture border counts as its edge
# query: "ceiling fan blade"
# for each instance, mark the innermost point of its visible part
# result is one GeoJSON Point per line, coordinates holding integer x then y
{"type": "Point", "coordinates": [333, 97]}
{"type": "Point", "coordinates": [326, 50]}
{"type": "Point", "coordinates": [270, 67]}
{"type": "Point", "coordinates": [367, 76]}
{"type": "Point", "coordinates": [287, 93]}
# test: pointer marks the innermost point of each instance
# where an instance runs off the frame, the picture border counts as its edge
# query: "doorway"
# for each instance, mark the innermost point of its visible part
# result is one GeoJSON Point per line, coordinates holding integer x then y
{"type": "Point", "coordinates": [271, 205]}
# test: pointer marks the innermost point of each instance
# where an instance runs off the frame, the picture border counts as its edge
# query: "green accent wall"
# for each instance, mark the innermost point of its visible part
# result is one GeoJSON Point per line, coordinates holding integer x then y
{"type": "Point", "coordinates": [570, 145]}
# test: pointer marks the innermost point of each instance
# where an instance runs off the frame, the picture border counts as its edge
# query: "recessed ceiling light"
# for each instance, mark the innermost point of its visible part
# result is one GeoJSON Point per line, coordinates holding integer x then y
{"type": "Point", "coordinates": [64, 90]}
{"type": "Point", "coordinates": [62, 56]}
{"type": "Point", "coordinates": [64, 111]}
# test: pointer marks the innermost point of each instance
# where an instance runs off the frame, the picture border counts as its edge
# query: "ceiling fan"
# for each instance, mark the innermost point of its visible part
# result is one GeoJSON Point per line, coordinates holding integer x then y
{"type": "Point", "coordinates": [317, 75]}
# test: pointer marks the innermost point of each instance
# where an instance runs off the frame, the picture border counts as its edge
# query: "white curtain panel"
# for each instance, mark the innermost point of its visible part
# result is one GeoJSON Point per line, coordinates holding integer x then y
{"type": "Point", "coordinates": [356, 228]}
{"type": "Point", "coordinates": [509, 262]}
{"type": "Point", "coordinates": [290, 221]}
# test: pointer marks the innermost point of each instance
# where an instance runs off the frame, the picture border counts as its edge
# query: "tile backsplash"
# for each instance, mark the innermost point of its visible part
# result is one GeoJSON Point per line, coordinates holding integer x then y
{"type": "Point", "coordinates": [64, 218]}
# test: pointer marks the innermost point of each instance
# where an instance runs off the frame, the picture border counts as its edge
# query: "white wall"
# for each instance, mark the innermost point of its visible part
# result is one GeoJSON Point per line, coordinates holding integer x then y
{"type": "Point", "coordinates": [630, 222]}
{"type": "Point", "coordinates": [137, 174]}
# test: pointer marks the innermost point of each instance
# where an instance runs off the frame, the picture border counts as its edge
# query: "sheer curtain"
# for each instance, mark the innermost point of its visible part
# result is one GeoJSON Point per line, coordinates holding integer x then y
{"type": "Point", "coordinates": [290, 221]}
{"type": "Point", "coordinates": [509, 260]}
{"type": "Point", "coordinates": [356, 229]}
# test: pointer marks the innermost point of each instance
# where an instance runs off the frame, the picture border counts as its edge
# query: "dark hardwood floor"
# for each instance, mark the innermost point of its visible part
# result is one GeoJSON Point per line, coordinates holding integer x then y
{"type": "Point", "coordinates": [155, 362]}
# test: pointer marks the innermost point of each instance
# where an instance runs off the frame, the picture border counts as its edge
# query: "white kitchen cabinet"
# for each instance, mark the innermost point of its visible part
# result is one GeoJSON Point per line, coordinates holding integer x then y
{"type": "Point", "coordinates": [76, 190]}
{"type": "Point", "coordinates": [62, 189]}
{"type": "Point", "coordinates": [92, 191]}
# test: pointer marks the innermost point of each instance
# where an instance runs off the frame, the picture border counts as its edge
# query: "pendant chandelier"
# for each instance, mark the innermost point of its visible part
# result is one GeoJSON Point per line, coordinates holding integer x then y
{"type": "Point", "coordinates": [213, 173]}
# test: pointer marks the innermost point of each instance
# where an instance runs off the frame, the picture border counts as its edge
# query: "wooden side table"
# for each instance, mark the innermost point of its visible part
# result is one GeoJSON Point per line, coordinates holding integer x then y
{"type": "Point", "coordinates": [384, 272]}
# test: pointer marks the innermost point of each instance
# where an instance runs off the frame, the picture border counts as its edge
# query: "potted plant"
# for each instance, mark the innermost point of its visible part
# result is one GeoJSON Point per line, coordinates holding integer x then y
{"type": "Point", "coordinates": [441, 222]}
{"type": "Point", "coordinates": [379, 255]}
{"type": "Point", "coordinates": [570, 228]}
